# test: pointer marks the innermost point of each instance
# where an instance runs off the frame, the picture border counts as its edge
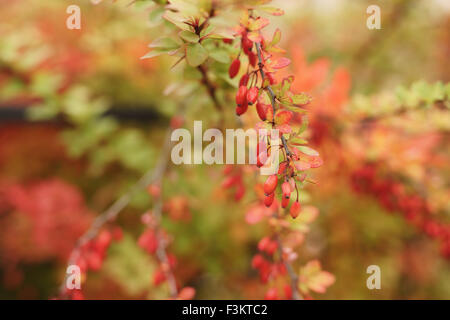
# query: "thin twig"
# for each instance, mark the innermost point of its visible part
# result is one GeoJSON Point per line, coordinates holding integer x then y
{"type": "Point", "coordinates": [113, 211]}
{"type": "Point", "coordinates": [161, 252]}
{"type": "Point", "coordinates": [290, 270]}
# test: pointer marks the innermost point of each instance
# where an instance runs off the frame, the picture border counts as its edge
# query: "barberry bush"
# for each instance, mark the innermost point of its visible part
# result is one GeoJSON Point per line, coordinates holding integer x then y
{"type": "Point", "coordinates": [88, 179]}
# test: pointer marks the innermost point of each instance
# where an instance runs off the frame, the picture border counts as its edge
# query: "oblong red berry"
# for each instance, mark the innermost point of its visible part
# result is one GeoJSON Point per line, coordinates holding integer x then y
{"type": "Point", "coordinates": [247, 45]}
{"type": "Point", "coordinates": [263, 243]}
{"type": "Point", "coordinates": [240, 110]}
{"type": "Point", "coordinates": [261, 159]}
{"type": "Point", "coordinates": [244, 80]}
{"type": "Point", "coordinates": [271, 78]}
{"type": "Point", "coordinates": [282, 167]}
{"type": "Point", "coordinates": [252, 59]}
{"type": "Point", "coordinates": [241, 96]}
{"type": "Point", "coordinates": [270, 184]}
{"type": "Point", "coordinates": [234, 68]}
{"type": "Point", "coordinates": [285, 202]}
{"type": "Point", "coordinates": [295, 209]}
{"type": "Point", "coordinates": [261, 109]}
{"type": "Point", "coordinates": [286, 189]}
{"type": "Point", "coordinates": [268, 200]}
{"type": "Point", "coordinates": [252, 95]}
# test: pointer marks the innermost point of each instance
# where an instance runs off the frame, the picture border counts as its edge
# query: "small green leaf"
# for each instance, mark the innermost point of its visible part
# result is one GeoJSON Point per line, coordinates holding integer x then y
{"type": "Point", "coordinates": [308, 151]}
{"type": "Point", "coordinates": [164, 43]}
{"type": "Point", "coordinates": [196, 54]}
{"type": "Point", "coordinates": [301, 99]}
{"type": "Point", "coordinates": [177, 19]}
{"type": "Point", "coordinates": [219, 55]}
{"type": "Point", "coordinates": [272, 10]}
{"type": "Point", "coordinates": [297, 141]}
{"type": "Point", "coordinates": [154, 53]}
{"type": "Point", "coordinates": [189, 36]}
{"type": "Point", "coordinates": [276, 37]}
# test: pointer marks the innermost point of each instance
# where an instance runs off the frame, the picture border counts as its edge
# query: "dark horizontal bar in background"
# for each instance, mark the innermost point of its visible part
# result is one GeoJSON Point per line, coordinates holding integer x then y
{"type": "Point", "coordinates": [143, 114]}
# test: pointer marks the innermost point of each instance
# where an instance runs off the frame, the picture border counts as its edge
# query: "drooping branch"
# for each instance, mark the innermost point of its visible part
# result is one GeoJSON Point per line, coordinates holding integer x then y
{"type": "Point", "coordinates": [292, 276]}
{"type": "Point", "coordinates": [270, 91]}
{"type": "Point", "coordinates": [161, 252]}
{"type": "Point", "coordinates": [110, 214]}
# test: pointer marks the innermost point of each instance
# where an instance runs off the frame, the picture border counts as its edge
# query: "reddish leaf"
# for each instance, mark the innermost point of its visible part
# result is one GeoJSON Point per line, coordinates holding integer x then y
{"type": "Point", "coordinates": [258, 24]}
{"type": "Point", "coordinates": [283, 117]}
{"type": "Point", "coordinates": [280, 63]}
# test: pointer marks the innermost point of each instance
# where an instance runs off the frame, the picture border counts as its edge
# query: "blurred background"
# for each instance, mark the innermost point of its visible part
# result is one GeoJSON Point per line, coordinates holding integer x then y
{"type": "Point", "coordinates": [82, 117]}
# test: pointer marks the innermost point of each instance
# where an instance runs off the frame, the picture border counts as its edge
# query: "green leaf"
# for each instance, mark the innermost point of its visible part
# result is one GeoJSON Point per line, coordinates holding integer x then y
{"type": "Point", "coordinates": [155, 16]}
{"type": "Point", "coordinates": [189, 36]}
{"type": "Point", "coordinates": [258, 24]}
{"type": "Point", "coordinates": [276, 37]}
{"type": "Point", "coordinates": [297, 141]}
{"type": "Point", "coordinates": [301, 99]}
{"type": "Point", "coordinates": [177, 19]}
{"type": "Point", "coordinates": [164, 43]}
{"type": "Point", "coordinates": [196, 54]}
{"type": "Point", "coordinates": [308, 151]}
{"type": "Point", "coordinates": [219, 55]}
{"type": "Point", "coordinates": [272, 10]}
{"type": "Point", "coordinates": [154, 53]}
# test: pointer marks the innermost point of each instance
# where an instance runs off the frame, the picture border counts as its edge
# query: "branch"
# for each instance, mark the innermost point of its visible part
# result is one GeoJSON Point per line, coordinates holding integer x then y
{"type": "Point", "coordinates": [292, 276]}
{"type": "Point", "coordinates": [210, 88]}
{"type": "Point", "coordinates": [113, 211]}
{"type": "Point", "coordinates": [271, 93]}
{"type": "Point", "coordinates": [161, 252]}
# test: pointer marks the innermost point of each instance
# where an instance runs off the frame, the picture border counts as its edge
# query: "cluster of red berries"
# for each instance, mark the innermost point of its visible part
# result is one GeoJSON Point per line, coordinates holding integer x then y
{"type": "Point", "coordinates": [248, 91]}
{"type": "Point", "coordinates": [91, 255]}
{"type": "Point", "coordinates": [233, 179]}
{"type": "Point", "coordinates": [270, 270]}
{"type": "Point", "coordinates": [393, 196]}
{"type": "Point", "coordinates": [264, 266]}
{"type": "Point", "coordinates": [287, 187]}
{"type": "Point", "coordinates": [154, 241]}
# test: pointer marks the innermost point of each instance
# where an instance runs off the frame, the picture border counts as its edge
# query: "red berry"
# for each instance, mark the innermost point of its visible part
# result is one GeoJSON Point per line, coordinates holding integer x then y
{"type": "Point", "coordinates": [271, 247]}
{"type": "Point", "coordinates": [268, 200]}
{"type": "Point", "coordinates": [257, 261]}
{"type": "Point", "coordinates": [252, 59]}
{"type": "Point", "coordinates": [94, 261]}
{"type": "Point", "coordinates": [261, 159]}
{"type": "Point", "coordinates": [285, 202]}
{"type": "Point", "coordinates": [270, 184]}
{"type": "Point", "coordinates": [103, 240]}
{"type": "Point", "coordinates": [240, 191]}
{"type": "Point", "coordinates": [271, 294]}
{"type": "Point", "coordinates": [287, 291]}
{"type": "Point", "coordinates": [227, 41]}
{"type": "Point", "coordinates": [228, 182]}
{"type": "Point", "coordinates": [271, 78]}
{"type": "Point", "coordinates": [234, 68]}
{"type": "Point", "coordinates": [240, 110]}
{"type": "Point", "coordinates": [286, 189]}
{"type": "Point", "coordinates": [187, 293]}
{"type": "Point", "coordinates": [244, 80]}
{"type": "Point", "coordinates": [282, 167]}
{"type": "Point", "coordinates": [295, 209]}
{"type": "Point", "coordinates": [158, 277]}
{"type": "Point", "coordinates": [264, 243]}
{"type": "Point", "coordinates": [247, 44]}
{"type": "Point", "coordinates": [261, 108]}
{"type": "Point", "coordinates": [241, 96]}
{"type": "Point", "coordinates": [117, 234]}
{"type": "Point", "coordinates": [252, 95]}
